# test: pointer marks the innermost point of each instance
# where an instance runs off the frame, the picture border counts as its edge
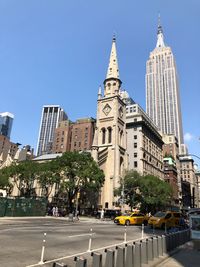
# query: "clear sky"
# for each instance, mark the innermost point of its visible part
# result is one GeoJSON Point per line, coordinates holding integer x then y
{"type": "Point", "coordinates": [57, 52]}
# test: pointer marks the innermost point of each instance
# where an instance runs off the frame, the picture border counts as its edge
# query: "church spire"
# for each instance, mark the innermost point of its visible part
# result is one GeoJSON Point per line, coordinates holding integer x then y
{"type": "Point", "coordinates": [160, 36]}
{"type": "Point", "coordinates": [113, 70]}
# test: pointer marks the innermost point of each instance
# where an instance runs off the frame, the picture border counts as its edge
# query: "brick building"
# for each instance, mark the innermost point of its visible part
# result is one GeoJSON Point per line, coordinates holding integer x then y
{"type": "Point", "coordinates": [74, 136]}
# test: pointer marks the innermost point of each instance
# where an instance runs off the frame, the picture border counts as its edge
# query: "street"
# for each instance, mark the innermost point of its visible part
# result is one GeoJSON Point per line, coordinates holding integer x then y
{"type": "Point", "coordinates": [22, 238]}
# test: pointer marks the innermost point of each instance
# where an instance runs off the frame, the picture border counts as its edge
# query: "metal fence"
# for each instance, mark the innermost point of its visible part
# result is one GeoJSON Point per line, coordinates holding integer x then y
{"type": "Point", "coordinates": [19, 207]}
{"type": "Point", "coordinates": [141, 253]}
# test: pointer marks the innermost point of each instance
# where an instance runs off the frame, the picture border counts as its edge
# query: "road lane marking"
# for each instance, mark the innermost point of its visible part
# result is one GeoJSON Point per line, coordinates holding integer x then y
{"type": "Point", "coordinates": [81, 235]}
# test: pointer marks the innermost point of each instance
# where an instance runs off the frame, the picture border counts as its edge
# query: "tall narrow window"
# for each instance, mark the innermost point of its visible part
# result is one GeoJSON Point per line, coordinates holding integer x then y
{"type": "Point", "coordinates": [121, 138]}
{"type": "Point", "coordinates": [103, 136]}
{"type": "Point", "coordinates": [109, 135]}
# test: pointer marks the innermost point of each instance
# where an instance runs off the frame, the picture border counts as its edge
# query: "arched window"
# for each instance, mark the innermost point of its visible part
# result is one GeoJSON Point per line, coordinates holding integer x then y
{"type": "Point", "coordinates": [103, 135]}
{"type": "Point", "coordinates": [109, 135]}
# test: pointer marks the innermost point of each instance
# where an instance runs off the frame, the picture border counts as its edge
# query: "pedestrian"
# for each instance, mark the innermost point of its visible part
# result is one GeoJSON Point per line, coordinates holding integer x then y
{"type": "Point", "coordinates": [77, 214]}
{"type": "Point", "coordinates": [54, 211]}
{"type": "Point", "coordinates": [102, 214]}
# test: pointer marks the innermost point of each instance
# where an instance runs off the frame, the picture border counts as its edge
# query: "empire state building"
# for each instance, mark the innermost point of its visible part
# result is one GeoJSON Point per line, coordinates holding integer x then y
{"type": "Point", "coordinates": [162, 89]}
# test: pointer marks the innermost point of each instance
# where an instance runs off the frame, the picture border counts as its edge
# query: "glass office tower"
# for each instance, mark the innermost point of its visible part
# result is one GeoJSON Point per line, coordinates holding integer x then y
{"type": "Point", "coordinates": [6, 121]}
{"type": "Point", "coordinates": [51, 116]}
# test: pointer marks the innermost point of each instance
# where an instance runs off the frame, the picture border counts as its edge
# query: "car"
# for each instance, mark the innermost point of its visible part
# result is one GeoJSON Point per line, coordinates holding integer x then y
{"type": "Point", "coordinates": [109, 214]}
{"type": "Point", "coordinates": [162, 219]}
{"type": "Point", "coordinates": [134, 218]}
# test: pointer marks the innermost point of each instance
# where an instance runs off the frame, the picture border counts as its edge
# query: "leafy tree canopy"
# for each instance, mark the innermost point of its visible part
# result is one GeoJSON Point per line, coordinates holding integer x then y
{"type": "Point", "coordinates": [4, 179]}
{"type": "Point", "coordinates": [149, 192]}
{"type": "Point", "coordinates": [73, 172]}
{"type": "Point", "coordinates": [79, 172]}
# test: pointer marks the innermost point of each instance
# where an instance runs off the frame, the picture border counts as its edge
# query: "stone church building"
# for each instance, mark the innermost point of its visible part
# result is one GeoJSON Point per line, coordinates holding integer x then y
{"type": "Point", "coordinates": [109, 145]}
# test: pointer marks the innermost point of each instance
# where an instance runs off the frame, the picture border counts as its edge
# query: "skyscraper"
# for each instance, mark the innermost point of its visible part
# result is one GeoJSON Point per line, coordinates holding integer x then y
{"type": "Point", "coordinates": [162, 89]}
{"type": "Point", "coordinates": [6, 121]}
{"type": "Point", "coordinates": [51, 116]}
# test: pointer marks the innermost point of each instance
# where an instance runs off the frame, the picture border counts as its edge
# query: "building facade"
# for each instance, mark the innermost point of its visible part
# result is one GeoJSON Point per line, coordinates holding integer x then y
{"type": "Point", "coordinates": [82, 134]}
{"type": "Point", "coordinates": [187, 172]}
{"type": "Point", "coordinates": [171, 150]}
{"type": "Point", "coordinates": [74, 136]}
{"type": "Point", "coordinates": [144, 143]}
{"type": "Point", "coordinates": [109, 145]}
{"type": "Point", "coordinates": [162, 89]}
{"type": "Point", "coordinates": [62, 137]}
{"type": "Point", "coordinates": [51, 116]}
{"type": "Point", "coordinates": [170, 176]}
{"type": "Point", "coordinates": [6, 121]}
{"type": "Point", "coordinates": [7, 148]}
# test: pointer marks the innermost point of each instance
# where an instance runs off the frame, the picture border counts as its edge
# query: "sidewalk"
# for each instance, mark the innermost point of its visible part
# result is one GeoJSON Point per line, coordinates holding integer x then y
{"type": "Point", "coordinates": [188, 255]}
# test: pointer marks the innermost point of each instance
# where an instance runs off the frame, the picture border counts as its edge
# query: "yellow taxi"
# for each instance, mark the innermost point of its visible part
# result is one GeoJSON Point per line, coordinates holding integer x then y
{"type": "Point", "coordinates": [164, 219]}
{"type": "Point", "coordinates": [132, 218]}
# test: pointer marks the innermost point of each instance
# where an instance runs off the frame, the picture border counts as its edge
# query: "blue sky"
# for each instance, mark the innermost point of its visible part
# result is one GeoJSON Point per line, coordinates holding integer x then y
{"type": "Point", "coordinates": [57, 52]}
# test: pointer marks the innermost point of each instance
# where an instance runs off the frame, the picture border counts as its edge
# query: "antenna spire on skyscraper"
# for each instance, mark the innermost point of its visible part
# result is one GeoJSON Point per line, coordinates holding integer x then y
{"type": "Point", "coordinates": [160, 37]}
{"type": "Point", "coordinates": [159, 25]}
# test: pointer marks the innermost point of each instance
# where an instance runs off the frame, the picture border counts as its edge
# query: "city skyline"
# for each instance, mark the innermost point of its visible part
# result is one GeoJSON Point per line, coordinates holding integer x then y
{"type": "Point", "coordinates": [57, 54]}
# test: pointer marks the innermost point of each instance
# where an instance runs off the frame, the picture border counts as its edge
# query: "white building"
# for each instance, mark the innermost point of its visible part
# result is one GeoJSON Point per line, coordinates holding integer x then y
{"type": "Point", "coordinates": [144, 143]}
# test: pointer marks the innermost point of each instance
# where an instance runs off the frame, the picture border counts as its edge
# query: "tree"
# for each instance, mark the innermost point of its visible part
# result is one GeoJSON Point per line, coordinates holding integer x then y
{"type": "Point", "coordinates": [4, 180]}
{"type": "Point", "coordinates": [128, 188]}
{"type": "Point", "coordinates": [24, 175]}
{"type": "Point", "coordinates": [149, 192]}
{"type": "Point", "coordinates": [155, 193]}
{"type": "Point", "coordinates": [79, 172]}
{"type": "Point", "coordinates": [48, 175]}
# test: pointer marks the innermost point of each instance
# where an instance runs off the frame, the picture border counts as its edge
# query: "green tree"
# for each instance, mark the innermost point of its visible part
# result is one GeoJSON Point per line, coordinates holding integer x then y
{"type": "Point", "coordinates": [48, 175]}
{"type": "Point", "coordinates": [5, 183]}
{"type": "Point", "coordinates": [155, 193]}
{"type": "Point", "coordinates": [128, 189]}
{"type": "Point", "coordinates": [22, 175]}
{"type": "Point", "coordinates": [79, 173]}
{"type": "Point", "coordinates": [148, 192]}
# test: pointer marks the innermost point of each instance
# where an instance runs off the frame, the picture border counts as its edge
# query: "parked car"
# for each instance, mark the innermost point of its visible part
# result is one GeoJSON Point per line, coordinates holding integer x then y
{"type": "Point", "coordinates": [132, 218]}
{"type": "Point", "coordinates": [109, 213]}
{"type": "Point", "coordinates": [164, 219]}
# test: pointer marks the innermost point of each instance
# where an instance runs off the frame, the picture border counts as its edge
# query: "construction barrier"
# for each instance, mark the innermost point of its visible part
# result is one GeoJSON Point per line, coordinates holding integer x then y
{"type": "Point", "coordinates": [21, 207]}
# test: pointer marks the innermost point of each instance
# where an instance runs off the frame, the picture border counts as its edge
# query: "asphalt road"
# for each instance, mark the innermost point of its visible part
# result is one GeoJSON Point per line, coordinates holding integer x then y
{"type": "Point", "coordinates": [22, 238]}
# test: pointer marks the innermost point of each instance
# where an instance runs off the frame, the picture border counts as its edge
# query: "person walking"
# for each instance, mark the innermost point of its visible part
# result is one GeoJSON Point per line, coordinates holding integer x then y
{"type": "Point", "coordinates": [54, 211]}
{"type": "Point", "coordinates": [77, 214]}
{"type": "Point", "coordinates": [102, 214]}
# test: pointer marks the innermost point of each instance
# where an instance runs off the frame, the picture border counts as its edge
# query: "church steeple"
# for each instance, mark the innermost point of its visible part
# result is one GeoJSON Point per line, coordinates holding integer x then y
{"type": "Point", "coordinates": [160, 36]}
{"type": "Point", "coordinates": [112, 82]}
{"type": "Point", "coordinates": [113, 70]}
